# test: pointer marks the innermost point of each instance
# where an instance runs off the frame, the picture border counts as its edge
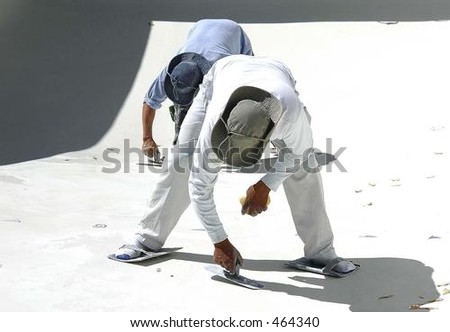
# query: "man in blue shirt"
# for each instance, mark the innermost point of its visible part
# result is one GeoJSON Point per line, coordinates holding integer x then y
{"type": "Point", "coordinates": [208, 41]}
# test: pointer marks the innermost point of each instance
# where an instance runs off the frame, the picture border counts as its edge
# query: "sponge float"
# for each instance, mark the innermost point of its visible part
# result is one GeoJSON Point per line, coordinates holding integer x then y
{"type": "Point", "coordinates": [243, 198]}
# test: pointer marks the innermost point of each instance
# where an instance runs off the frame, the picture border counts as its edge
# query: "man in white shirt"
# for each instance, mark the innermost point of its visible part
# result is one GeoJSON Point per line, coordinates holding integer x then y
{"type": "Point", "coordinates": [243, 103]}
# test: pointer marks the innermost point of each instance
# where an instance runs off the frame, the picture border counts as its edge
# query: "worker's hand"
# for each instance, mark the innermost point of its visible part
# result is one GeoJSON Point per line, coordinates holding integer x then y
{"type": "Point", "coordinates": [227, 256]}
{"type": "Point", "coordinates": [149, 147]}
{"type": "Point", "coordinates": [256, 200]}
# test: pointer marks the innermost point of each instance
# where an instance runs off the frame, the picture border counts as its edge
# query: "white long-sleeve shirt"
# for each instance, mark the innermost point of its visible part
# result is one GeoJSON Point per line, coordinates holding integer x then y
{"type": "Point", "coordinates": [291, 131]}
{"type": "Point", "coordinates": [212, 38]}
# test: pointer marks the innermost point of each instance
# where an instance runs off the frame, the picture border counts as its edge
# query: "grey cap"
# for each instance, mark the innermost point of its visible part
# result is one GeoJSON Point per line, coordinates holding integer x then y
{"type": "Point", "coordinates": [243, 130]}
{"type": "Point", "coordinates": [184, 75]}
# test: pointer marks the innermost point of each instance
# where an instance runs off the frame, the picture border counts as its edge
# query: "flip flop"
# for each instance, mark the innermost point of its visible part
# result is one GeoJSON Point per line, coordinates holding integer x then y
{"type": "Point", "coordinates": [306, 264]}
{"type": "Point", "coordinates": [144, 254]}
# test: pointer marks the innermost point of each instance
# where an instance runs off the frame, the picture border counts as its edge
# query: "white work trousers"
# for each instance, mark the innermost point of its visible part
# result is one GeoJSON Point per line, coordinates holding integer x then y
{"type": "Point", "coordinates": [170, 198]}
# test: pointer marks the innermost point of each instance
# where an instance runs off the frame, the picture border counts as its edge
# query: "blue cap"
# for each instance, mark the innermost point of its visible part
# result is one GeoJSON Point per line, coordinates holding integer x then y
{"type": "Point", "coordinates": [184, 76]}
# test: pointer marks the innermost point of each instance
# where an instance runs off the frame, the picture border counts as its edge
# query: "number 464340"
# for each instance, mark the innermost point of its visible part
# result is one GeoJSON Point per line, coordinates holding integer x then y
{"type": "Point", "coordinates": [296, 322]}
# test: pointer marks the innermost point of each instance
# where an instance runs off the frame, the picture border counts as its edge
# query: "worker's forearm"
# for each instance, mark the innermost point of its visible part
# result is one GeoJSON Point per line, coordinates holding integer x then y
{"type": "Point", "coordinates": [148, 115]}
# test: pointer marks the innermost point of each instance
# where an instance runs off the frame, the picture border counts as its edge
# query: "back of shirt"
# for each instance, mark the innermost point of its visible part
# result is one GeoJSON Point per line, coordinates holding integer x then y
{"type": "Point", "coordinates": [212, 38]}
{"type": "Point", "coordinates": [217, 38]}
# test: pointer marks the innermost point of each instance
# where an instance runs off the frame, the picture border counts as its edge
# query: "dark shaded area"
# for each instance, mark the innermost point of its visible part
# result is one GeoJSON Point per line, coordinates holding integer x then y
{"type": "Point", "coordinates": [66, 66]}
{"type": "Point", "coordinates": [280, 11]}
{"type": "Point", "coordinates": [382, 284]}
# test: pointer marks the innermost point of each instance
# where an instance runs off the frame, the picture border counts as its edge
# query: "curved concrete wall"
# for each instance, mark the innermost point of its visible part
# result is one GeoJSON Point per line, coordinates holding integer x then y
{"type": "Point", "coordinates": [67, 66]}
{"type": "Point", "coordinates": [65, 72]}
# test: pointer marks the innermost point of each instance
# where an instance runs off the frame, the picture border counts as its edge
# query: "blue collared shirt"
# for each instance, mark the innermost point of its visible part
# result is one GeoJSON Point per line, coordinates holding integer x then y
{"type": "Point", "coordinates": [211, 38]}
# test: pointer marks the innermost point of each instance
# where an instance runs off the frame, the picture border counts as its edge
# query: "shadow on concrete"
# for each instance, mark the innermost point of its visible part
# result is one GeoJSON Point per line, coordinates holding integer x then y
{"type": "Point", "coordinates": [67, 66]}
{"type": "Point", "coordinates": [382, 284]}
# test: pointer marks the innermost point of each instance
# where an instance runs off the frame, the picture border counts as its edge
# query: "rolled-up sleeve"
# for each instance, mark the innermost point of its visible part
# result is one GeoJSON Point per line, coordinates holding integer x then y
{"type": "Point", "coordinates": [156, 94]}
